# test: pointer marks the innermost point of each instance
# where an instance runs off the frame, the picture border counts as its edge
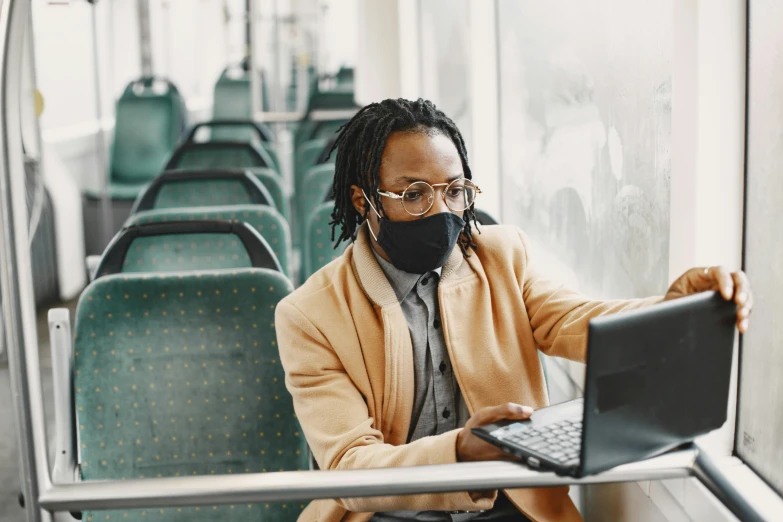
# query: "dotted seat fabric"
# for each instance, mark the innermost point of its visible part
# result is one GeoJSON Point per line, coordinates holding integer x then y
{"type": "Point", "coordinates": [319, 248]}
{"type": "Point", "coordinates": [221, 155]}
{"type": "Point", "coordinates": [314, 190]}
{"type": "Point", "coordinates": [307, 157]}
{"type": "Point", "coordinates": [230, 157]}
{"type": "Point", "coordinates": [202, 193]}
{"type": "Point", "coordinates": [179, 252]}
{"type": "Point", "coordinates": [266, 220]}
{"type": "Point", "coordinates": [274, 185]}
{"type": "Point", "coordinates": [180, 375]}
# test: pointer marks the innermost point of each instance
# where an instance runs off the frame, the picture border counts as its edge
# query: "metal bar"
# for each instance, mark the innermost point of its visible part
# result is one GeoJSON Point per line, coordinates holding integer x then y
{"type": "Point", "coordinates": [145, 38]}
{"type": "Point", "coordinates": [318, 115]}
{"type": "Point", "coordinates": [15, 270]}
{"type": "Point", "coordinates": [34, 151]}
{"type": "Point", "coordinates": [332, 114]}
{"type": "Point", "coordinates": [736, 495]}
{"type": "Point", "coordinates": [278, 117]}
{"type": "Point", "coordinates": [306, 485]}
{"type": "Point", "coordinates": [251, 36]}
{"type": "Point", "coordinates": [107, 226]}
{"type": "Point", "coordinates": [61, 342]}
{"type": "Point", "coordinates": [278, 103]}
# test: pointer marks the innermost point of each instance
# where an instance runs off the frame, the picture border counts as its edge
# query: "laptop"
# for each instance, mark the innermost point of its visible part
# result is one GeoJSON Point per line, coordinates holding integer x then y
{"type": "Point", "coordinates": [656, 378]}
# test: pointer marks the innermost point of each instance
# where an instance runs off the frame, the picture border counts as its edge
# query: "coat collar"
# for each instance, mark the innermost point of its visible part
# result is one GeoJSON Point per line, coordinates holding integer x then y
{"type": "Point", "coordinates": [372, 277]}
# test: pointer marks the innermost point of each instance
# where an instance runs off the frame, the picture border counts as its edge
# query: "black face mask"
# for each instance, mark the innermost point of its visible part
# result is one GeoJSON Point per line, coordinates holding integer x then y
{"type": "Point", "coordinates": [420, 245]}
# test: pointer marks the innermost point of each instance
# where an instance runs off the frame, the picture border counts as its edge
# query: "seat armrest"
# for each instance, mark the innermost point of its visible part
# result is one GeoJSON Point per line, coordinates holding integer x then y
{"type": "Point", "coordinates": [64, 470]}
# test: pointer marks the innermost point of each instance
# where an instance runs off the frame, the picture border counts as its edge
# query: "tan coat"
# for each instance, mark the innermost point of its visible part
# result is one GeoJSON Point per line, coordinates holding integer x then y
{"type": "Point", "coordinates": [347, 354]}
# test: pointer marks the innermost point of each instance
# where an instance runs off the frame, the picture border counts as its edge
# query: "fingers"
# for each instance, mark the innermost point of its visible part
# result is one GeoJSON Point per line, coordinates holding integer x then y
{"type": "Point", "coordinates": [721, 280]}
{"type": "Point", "coordinates": [743, 298]}
{"type": "Point", "coordinates": [492, 414]}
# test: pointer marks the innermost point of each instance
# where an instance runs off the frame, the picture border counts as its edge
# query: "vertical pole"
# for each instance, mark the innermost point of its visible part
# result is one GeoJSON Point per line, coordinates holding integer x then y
{"type": "Point", "coordinates": [107, 227]}
{"type": "Point", "coordinates": [255, 84]}
{"type": "Point", "coordinates": [165, 6]}
{"type": "Point", "coordinates": [145, 37]}
{"type": "Point", "coordinates": [15, 272]}
{"type": "Point", "coordinates": [277, 100]}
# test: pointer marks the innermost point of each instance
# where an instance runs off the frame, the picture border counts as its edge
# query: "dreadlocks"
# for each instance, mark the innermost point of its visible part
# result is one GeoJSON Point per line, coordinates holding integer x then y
{"type": "Point", "coordinates": [360, 147]}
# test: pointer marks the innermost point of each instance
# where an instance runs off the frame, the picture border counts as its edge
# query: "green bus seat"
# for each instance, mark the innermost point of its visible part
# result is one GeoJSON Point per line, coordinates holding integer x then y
{"type": "Point", "coordinates": [315, 189]}
{"type": "Point", "coordinates": [219, 155]}
{"type": "Point", "coordinates": [341, 97]}
{"type": "Point", "coordinates": [235, 130]}
{"type": "Point", "coordinates": [232, 94]}
{"type": "Point", "coordinates": [307, 156]}
{"type": "Point", "coordinates": [186, 245]}
{"type": "Point", "coordinates": [273, 183]}
{"type": "Point", "coordinates": [345, 77]}
{"type": "Point", "coordinates": [485, 218]}
{"type": "Point", "coordinates": [319, 247]}
{"type": "Point", "coordinates": [179, 375]}
{"type": "Point", "coordinates": [267, 221]}
{"type": "Point", "coordinates": [150, 118]}
{"type": "Point", "coordinates": [203, 188]}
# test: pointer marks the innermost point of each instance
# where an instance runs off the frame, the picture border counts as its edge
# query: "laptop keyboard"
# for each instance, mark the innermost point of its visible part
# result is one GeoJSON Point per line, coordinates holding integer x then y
{"type": "Point", "coordinates": [559, 441]}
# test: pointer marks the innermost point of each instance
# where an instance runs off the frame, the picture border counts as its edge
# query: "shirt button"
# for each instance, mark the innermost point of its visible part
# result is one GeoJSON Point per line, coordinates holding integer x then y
{"type": "Point", "coordinates": [425, 281]}
{"type": "Point", "coordinates": [446, 413]}
{"type": "Point", "coordinates": [436, 323]}
{"type": "Point", "coordinates": [442, 367]}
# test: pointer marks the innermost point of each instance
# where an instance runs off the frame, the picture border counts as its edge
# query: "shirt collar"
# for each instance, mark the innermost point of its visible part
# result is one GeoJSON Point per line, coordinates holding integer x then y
{"type": "Point", "coordinates": [401, 282]}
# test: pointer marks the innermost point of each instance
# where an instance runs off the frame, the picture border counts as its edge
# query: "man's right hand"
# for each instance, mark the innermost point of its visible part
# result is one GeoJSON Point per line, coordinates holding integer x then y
{"type": "Point", "coordinates": [472, 448]}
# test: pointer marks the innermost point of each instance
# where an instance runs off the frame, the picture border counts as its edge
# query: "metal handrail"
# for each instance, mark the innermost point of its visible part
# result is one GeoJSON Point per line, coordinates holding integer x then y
{"type": "Point", "coordinates": [295, 116]}
{"type": "Point", "coordinates": [307, 485]}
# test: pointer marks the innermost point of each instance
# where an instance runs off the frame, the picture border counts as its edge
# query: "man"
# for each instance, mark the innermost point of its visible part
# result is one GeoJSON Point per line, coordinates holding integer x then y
{"type": "Point", "coordinates": [394, 351]}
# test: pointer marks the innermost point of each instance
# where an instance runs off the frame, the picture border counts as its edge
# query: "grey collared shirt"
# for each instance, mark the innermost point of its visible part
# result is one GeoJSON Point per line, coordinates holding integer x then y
{"type": "Point", "coordinates": [438, 405]}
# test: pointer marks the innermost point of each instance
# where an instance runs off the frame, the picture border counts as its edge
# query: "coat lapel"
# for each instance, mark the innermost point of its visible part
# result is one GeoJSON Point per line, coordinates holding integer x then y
{"type": "Point", "coordinates": [397, 400]}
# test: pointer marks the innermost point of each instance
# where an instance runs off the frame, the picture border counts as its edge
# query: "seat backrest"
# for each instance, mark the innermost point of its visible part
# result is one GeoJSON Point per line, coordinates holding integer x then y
{"type": "Point", "coordinates": [232, 95]}
{"type": "Point", "coordinates": [267, 221]}
{"type": "Point", "coordinates": [219, 155]}
{"type": "Point", "coordinates": [345, 77]}
{"type": "Point", "coordinates": [207, 188]}
{"type": "Point", "coordinates": [315, 189]}
{"type": "Point", "coordinates": [251, 131]}
{"type": "Point", "coordinates": [179, 375]}
{"type": "Point", "coordinates": [273, 183]}
{"type": "Point", "coordinates": [485, 218]}
{"type": "Point", "coordinates": [319, 247]}
{"type": "Point", "coordinates": [186, 245]}
{"type": "Point", "coordinates": [307, 156]}
{"type": "Point", "coordinates": [150, 118]}
{"type": "Point", "coordinates": [341, 97]}
{"type": "Point", "coordinates": [327, 129]}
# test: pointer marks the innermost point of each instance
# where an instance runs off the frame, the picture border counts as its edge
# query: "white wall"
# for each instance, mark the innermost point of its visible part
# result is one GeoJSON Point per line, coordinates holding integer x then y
{"type": "Point", "coordinates": [378, 68]}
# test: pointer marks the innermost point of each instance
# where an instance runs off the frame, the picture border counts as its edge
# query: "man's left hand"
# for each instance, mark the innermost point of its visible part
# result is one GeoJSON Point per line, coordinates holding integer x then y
{"type": "Point", "coordinates": [733, 286]}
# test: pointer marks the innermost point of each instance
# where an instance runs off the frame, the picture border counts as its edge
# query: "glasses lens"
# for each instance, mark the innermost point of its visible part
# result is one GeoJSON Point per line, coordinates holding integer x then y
{"type": "Point", "coordinates": [417, 198]}
{"type": "Point", "coordinates": [460, 194]}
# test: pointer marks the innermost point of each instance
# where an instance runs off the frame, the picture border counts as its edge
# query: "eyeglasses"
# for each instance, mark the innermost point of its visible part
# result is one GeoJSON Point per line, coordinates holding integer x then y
{"type": "Point", "coordinates": [419, 197]}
